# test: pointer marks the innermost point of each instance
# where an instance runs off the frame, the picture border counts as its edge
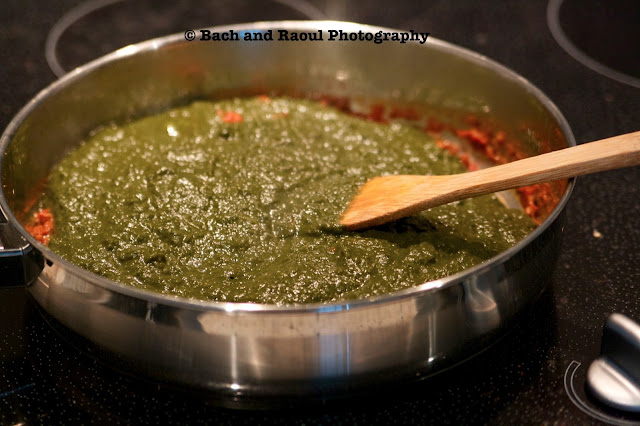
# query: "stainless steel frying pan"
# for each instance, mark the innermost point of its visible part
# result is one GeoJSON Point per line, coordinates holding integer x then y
{"type": "Point", "coordinates": [260, 350]}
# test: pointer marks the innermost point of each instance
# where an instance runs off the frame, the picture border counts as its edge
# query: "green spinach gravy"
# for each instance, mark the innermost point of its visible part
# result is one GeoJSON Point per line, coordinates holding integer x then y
{"type": "Point", "coordinates": [239, 200]}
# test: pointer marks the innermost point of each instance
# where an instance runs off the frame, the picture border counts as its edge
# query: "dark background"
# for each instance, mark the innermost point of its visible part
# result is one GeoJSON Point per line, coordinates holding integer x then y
{"type": "Point", "coordinates": [45, 378]}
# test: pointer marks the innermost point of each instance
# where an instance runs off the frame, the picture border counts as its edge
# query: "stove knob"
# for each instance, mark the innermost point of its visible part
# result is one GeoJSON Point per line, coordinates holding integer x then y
{"type": "Point", "coordinates": [614, 377]}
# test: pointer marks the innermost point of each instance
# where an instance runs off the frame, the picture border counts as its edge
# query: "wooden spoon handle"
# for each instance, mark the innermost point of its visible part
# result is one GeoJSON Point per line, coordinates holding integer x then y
{"type": "Point", "coordinates": [606, 154]}
{"type": "Point", "coordinates": [387, 198]}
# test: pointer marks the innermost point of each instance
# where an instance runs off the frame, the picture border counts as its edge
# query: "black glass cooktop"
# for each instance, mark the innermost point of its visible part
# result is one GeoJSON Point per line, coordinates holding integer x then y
{"type": "Point", "coordinates": [534, 375]}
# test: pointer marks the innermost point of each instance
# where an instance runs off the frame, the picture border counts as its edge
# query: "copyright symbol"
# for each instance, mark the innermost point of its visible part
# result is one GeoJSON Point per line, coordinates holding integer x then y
{"type": "Point", "coordinates": [189, 35]}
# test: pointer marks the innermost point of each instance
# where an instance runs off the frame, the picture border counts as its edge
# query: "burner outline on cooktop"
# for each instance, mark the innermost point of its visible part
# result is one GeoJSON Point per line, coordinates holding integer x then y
{"type": "Point", "coordinates": [553, 22]}
{"type": "Point", "coordinates": [83, 9]}
{"type": "Point", "coordinates": [68, 19]}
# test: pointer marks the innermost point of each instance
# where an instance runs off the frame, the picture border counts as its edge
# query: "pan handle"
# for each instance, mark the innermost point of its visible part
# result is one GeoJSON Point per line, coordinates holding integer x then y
{"type": "Point", "coordinates": [20, 262]}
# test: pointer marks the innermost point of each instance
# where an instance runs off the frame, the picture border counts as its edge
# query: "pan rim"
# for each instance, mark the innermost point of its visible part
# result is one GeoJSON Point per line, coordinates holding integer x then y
{"type": "Point", "coordinates": [203, 305]}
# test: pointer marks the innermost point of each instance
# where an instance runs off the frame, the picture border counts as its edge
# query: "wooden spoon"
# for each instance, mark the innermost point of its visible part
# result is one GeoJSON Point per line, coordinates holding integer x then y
{"type": "Point", "coordinates": [387, 198]}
